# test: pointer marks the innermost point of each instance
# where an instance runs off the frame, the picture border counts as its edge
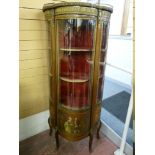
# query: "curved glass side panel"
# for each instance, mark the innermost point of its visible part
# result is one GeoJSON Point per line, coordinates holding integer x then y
{"type": "Point", "coordinates": [102, 63]}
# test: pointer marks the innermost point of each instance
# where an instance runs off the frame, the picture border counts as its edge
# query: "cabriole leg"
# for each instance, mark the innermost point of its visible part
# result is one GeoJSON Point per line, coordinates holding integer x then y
{"type": "Point", "coordinates": [57, 138]}
{"type": "Point", "coordinates": [90, 142]}
{"type": "Point", "coordinates": [98, 130]}
{"type": "Point", "coordinates": [50, 125]}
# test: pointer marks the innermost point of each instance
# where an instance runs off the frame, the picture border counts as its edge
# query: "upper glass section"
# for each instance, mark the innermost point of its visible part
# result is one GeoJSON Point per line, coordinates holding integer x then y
{"type": "Point", "coordinates": [76, 34]}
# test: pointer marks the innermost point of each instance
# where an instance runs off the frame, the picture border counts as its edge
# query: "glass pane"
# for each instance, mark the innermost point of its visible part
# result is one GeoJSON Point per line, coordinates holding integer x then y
{"type": "Point", "coordinates": [76, 38]}
{"type": "Point", "coordinates": [102, 60]}
{"type": "Point", "coordinates": [76, 33]}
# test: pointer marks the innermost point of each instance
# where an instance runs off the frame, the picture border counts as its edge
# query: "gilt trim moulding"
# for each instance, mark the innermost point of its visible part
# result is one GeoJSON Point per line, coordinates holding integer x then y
{"type": "Point", "coordinates": [105, 7]}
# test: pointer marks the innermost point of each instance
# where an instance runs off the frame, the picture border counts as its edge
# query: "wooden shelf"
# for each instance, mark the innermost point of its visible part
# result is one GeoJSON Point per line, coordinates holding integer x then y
{"type": "Point", "coordinates": [74, 108]}
{"type": "Point", "coordinates": [73, 80]}
{"type": "Point", "coordinates": [51, 75]}
{"type": "Point", "coordinates": [90, 62]}
{"type": "Point", "coordinates": [102, 63]}
{"type": "Point", "coordinates": [103, 50]}
{"type": "Point", "coordinates": [101, 76]}
{"type": "Point", "coordinates": [75, 50]}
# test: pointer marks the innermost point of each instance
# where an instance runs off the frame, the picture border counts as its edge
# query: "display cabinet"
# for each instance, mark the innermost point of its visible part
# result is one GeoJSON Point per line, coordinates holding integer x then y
{"type": "Point", "coordinates": [78, 35]}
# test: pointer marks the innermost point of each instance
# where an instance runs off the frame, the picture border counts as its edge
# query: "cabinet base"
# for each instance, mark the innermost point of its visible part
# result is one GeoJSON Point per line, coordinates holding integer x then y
{"type": "Point", "coordinates": [91, 134]}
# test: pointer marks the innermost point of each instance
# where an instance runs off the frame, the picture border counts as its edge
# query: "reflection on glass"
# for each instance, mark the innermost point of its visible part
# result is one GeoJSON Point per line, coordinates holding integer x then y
{"type": "Point", "coordinates": [105, 35]}
{"type": "Point", "coordinates": [76, 33]}
{"type": "Point", "coordinates": [75, 59]}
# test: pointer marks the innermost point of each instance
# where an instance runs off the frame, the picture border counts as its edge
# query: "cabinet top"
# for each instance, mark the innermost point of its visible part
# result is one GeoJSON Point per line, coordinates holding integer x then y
{"type": "Point", "coordinates": [105, 7]}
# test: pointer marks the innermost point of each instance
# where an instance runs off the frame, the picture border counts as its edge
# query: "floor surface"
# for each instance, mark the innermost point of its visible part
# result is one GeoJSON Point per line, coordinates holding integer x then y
{"type": "Point", "coordinates": [111, 88]}
{"type": "Point", "coordinates": [43, 144]}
